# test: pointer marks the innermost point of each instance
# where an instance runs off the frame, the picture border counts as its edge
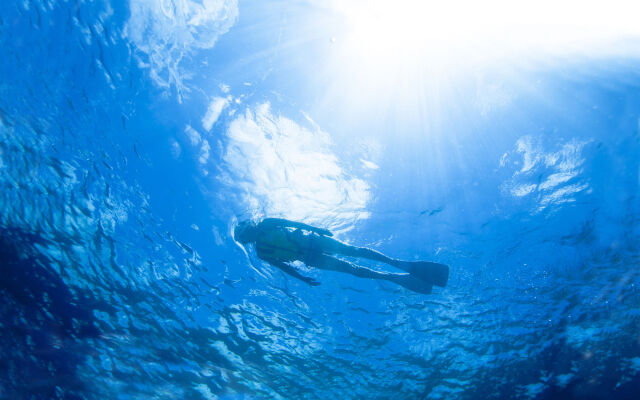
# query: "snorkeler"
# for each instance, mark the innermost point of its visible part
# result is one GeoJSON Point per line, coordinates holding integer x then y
{"type": "Point", "coordinates": [281, 242]}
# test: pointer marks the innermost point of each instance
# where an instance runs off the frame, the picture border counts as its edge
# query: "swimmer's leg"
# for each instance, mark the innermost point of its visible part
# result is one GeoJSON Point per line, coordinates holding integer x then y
{"type": "Point", "coordinates": [333, 246]}
{"type": "Point", "coordinates": [435, 273]}
{"type": "Point", "coordinates": [406, 280]}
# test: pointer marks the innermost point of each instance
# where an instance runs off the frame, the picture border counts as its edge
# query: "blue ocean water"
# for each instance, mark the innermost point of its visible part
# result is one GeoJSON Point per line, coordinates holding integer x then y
{"type": "Point", "coordinates": [134, 135]}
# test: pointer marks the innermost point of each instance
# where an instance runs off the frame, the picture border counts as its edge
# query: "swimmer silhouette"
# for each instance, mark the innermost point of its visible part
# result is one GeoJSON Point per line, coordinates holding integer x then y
{"type": "Point", "coordinates": [281, 242]}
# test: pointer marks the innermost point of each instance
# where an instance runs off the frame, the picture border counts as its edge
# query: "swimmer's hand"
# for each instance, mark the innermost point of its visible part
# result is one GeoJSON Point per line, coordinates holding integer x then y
{"type": "Point", "coordinates": [288, 269]}
{"type": "Point", "coordinates": [323, 232]}
{"type": "Point", "coordinates": [311, 281]}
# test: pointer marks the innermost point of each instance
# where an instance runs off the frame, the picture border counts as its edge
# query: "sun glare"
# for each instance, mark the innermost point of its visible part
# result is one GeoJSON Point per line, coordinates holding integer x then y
{"type": "Point", "coordinates": [409, 57]}
{"type": "Point", "coordinates": [408, 30]}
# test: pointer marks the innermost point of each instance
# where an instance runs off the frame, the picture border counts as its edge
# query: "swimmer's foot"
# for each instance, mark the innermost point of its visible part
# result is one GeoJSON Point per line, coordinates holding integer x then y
{"type": "Point", "coordinates": [434, 273]}
{"type": "Point", "coordinates": [410, 282]}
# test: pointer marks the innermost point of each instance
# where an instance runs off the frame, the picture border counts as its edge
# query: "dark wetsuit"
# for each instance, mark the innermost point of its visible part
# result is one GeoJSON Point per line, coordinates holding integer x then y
{"type": "Point", "coordinates": [286, 245]}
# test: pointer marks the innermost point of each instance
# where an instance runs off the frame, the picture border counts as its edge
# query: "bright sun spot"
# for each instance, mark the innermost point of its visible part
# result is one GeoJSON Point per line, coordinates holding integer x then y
{"type": "Point", "coordinates": [403, 31]}
{"type": "Point", "coordinates": [409, 57]}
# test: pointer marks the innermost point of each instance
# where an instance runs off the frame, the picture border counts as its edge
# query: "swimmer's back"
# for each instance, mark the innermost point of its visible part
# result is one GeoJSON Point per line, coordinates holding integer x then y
{"type": "Point", "coordinates": [277, 244]}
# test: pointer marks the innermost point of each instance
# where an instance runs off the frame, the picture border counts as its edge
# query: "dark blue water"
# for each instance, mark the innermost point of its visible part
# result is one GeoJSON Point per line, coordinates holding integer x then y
{"type": "Point", "coordinates": [134, 135]}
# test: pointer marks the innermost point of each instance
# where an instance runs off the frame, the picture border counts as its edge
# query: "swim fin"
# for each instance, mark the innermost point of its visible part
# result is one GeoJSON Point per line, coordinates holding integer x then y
{"type": "Point", "coordinates": [412, 283]}
{"type": "Point", "coordinates": [434, 273]}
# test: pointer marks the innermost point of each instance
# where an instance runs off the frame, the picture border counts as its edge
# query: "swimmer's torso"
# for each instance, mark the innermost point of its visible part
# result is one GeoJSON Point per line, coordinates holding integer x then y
{"type": "Point", "coordinates": [283, 245]}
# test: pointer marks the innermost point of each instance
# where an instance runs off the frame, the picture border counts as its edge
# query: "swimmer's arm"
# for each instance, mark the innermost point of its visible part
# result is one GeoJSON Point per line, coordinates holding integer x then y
{"type": "Point", "coordinates": [286, 268]}
{"type": "Point", "coordinates": [273, 222]}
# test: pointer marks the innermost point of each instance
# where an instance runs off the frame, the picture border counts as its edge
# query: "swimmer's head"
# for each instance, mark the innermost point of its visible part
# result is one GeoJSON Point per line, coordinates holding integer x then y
{"type": "Point", "coordinates": [245, 232]}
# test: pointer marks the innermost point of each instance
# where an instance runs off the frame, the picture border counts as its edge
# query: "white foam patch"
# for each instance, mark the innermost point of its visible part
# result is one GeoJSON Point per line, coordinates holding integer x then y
{"type": "Point", "coordinates": [523, 190]}
{"type": "Point", "coordinates": [204, 152]}
{"type": "Point", "coordinates": [286, 170]}
{"type": "Point", "coordinates": [562, 195]}
{"type": "Point", "coordinates": [213, 112]}
{"type": "Point", "coordinates": [556, 179]}
{"type": "Point", "coordinates": [193, 135]}
{"type": "Point", "coordinates": [530, 153]}
{"type": "Point", "coordinates": [204, 147]}
{"type": "Point", "coordinates": [369, 164]}
{"type": "Point", "coordinates": [560, 169]}
{"type": "Point", "coordinates": [166, 32]}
